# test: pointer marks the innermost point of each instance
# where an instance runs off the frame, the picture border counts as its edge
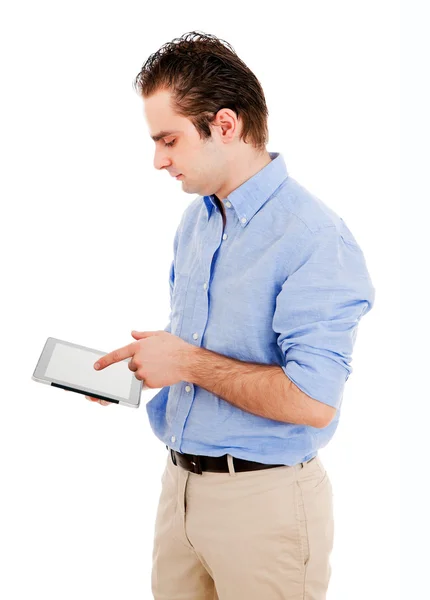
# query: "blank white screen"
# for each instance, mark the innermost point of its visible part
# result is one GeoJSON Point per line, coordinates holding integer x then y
{"type": "Point", "coordinates": [75, 367]}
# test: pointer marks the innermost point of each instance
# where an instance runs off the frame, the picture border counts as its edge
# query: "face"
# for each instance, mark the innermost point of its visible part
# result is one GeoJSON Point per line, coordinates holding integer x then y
{"type": "Point", "coordinates": [203, 164]}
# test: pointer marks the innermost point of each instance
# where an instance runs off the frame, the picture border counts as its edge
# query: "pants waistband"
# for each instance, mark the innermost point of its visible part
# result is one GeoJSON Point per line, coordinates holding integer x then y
{"type": "Point", "coordinates": [216, 464]}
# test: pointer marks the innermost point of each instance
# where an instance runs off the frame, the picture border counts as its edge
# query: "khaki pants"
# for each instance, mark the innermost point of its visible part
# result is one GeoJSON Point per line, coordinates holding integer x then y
{"type": "Point", "coordinates": [254, 535]}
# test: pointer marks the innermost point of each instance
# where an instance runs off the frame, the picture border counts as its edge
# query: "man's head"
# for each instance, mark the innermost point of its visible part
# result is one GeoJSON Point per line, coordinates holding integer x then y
{"type": "Point", "coordinates": [198, 88]}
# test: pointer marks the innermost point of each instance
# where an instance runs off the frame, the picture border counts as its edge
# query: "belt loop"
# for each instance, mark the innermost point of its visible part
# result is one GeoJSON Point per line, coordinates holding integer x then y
{"type": "Point", "coordinates": [172, 454]}
{"type": "Point", "coordinates": [230, 465]}
{"type": "Point", "coordinates": [196, 464]}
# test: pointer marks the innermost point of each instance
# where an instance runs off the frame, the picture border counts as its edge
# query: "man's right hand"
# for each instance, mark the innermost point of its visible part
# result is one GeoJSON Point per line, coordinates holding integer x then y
{"type": "Point", "coordinates": [102, 402]}
{"type": "Point", "coordinates": [91, 399]}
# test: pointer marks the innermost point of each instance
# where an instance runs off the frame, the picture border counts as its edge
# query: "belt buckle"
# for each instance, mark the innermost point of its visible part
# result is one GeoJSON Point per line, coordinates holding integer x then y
{"type": "Point", "coordinates": [195, 461]}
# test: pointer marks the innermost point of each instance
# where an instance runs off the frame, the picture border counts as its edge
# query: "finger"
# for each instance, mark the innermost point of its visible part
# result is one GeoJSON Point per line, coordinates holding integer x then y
{"type": "Point", "coordinates": [103, 402]}
{"type": "Point", "coordinates": [140, 335]}
{"type": "Point", "coordinates": [116, 356]}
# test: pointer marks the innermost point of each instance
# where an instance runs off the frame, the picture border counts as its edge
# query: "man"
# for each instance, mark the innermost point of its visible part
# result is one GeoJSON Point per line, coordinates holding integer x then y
{"type": "Point", "coordinates": [267, 288]}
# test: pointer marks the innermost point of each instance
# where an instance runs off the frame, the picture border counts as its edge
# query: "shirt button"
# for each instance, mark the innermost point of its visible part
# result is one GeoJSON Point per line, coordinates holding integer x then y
{"type": "Point", "coordinates": [243, 220]}
{"type": "Point", "coordinates": [173, 439]}
{"type": "Point", "coordinates": [195, 335]}
{"type": "Point", "coordinates": [224, 237]}
{"type": "Point", "coordinates": [228, 204]}
{"type": "Point", "coordinates": [187, 388]}
{"type": "Point", "coordinates": [205, 286]}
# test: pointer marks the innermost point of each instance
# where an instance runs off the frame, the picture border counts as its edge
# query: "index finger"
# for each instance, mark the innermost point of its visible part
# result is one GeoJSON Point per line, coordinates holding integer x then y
{"type": "Point", "coordinates": [115, 356]}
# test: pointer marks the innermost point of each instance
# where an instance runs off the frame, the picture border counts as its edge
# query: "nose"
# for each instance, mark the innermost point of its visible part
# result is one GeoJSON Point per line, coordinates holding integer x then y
{"type": "Point", "coordinates": [161, 161]}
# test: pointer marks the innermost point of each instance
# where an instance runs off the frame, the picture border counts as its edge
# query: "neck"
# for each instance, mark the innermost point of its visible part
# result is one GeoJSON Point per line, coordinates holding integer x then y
{"type": "Point", "coordinates": [241, 171]}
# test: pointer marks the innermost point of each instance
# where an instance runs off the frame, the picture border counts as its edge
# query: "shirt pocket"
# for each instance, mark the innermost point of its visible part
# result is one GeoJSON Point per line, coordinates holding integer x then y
{"type": "Point", "coordinates": [179, 302]}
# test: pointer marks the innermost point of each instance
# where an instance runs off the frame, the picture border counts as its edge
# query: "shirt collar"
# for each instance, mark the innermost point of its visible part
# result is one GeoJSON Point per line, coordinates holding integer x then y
{"type": "Point", "coordinates": [249, 197]}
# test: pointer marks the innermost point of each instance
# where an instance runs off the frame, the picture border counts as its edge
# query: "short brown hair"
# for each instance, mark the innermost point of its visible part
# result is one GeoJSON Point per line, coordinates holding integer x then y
{"type": "Point", "coordinates": [205, 75]}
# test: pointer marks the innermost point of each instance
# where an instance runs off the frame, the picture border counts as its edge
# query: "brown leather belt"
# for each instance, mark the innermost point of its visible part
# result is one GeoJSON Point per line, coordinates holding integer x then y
{"type": "Point", "coordinates": [216, 464]}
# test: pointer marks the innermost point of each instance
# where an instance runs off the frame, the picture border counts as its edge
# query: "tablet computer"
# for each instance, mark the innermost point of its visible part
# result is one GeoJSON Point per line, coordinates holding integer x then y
{"type": "Point", "coordinates": [71, 367]}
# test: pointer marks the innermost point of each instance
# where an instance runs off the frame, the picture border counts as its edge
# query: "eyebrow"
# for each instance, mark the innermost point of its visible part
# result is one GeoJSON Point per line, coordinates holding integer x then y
{"type": "Point", "coordinates": [162, 134]}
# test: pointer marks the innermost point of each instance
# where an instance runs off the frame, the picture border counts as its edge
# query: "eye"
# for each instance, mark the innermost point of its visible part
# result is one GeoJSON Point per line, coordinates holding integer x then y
{"type": "Point", "coordinates": [170, 143]}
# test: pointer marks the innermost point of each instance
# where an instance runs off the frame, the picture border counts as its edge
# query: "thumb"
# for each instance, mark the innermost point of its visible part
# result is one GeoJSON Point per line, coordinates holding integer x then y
{"type": "Point", "coordinates": [139, 335]}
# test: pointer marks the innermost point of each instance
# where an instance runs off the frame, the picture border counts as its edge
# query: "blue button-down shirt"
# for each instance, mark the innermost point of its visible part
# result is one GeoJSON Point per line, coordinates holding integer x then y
{"type": "Point", "coordinates": [284, 283]}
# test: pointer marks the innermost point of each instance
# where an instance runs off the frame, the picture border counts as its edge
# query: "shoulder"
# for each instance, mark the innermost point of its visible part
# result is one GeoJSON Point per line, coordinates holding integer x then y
{"type": "Point", "coordinates": [318, 222]}
{"type": "Point", "coordinates": [296, 201]}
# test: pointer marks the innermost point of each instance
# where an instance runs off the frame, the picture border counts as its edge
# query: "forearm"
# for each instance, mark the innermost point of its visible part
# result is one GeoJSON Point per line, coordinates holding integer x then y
{"type": "Point", "coordinates": [263, 390]}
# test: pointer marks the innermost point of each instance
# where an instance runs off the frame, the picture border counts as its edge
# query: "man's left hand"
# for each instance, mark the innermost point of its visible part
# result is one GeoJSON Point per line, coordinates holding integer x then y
{"type": "Point", "coordinates": [158, 358]}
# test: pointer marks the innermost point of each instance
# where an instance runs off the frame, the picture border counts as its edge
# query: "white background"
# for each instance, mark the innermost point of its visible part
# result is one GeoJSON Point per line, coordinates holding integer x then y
{"type": "Point", "coordinates": [87, 228]}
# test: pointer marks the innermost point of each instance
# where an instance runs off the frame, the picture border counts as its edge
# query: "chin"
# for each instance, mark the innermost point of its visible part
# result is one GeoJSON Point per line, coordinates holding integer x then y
{"type": "Point", "coordinates": [188, 188]}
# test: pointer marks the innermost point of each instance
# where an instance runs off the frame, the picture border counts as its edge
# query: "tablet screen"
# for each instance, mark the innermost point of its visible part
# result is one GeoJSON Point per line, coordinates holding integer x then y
{"type": "Point", "coordinates": [75, 367]}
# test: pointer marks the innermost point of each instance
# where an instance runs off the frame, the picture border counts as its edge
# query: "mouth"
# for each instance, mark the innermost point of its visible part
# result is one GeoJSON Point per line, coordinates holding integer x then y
{"type": "Point", "coordinates": [178, 176]}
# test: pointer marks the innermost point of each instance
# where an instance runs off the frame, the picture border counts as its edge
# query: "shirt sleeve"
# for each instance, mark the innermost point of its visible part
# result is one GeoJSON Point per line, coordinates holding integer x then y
{"type": "Point", "coordinates": [171, 284]}
{"type": "Point", "coordinates": [317, 313]}
{"type": "Point", "coordinates": [172, 277]}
